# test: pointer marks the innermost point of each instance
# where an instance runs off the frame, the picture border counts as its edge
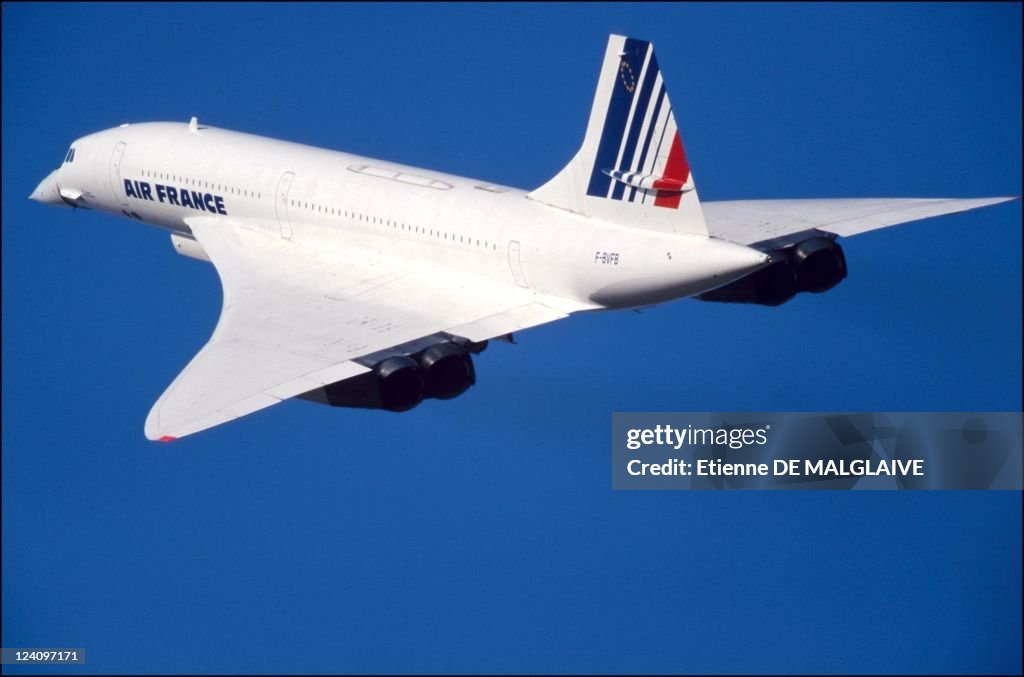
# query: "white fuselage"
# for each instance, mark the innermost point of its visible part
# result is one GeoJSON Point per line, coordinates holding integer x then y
{"type": "Point", "coordinates": [328, 199]}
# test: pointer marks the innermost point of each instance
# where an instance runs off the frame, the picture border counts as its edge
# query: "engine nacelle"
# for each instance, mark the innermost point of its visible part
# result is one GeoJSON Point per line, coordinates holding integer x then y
{"type": "Point", "coordinates": [814, 265]}
{"type": "Point", "coordinates": [395, 383]}
{"type": "Point", "coordinates": [772, 285]}
{"type": "Point", "coordinates": [447, 371]}
{"type": "Point", "coordinates": [401, 383]}
{"type": "Point", "coordinates": [820, 264]}
{"type": "Point", "coordinates": [442, 371]}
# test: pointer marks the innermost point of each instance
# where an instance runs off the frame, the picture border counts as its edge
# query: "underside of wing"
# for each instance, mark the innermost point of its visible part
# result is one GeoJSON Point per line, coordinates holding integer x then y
{"type": "Point", "coordinates": [752, 222]}
{"type": "Point", "coordinates": [296, 318]}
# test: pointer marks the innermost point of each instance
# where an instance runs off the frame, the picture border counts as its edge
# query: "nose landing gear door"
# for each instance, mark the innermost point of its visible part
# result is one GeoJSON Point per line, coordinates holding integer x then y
{"type": "Point", "coordinates": [116, 184]}
{"type": "Point", "coordinates": [515, 264]}
{"type": "Point", "coordinates": [283, 186]}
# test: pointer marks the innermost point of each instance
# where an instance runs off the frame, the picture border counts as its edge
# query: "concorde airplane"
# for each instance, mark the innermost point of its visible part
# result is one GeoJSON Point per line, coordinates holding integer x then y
{"type": "Point", "coordinates": [363, 283]}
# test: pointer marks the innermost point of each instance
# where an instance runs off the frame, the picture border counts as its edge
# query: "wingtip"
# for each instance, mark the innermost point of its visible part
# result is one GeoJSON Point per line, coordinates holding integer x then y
{"type": "Point", "coordinates": [152, 429]}
{"type": "Point", "coordinates": [1000, 200]}
{"type": "Point", "coordinates": [154, 434]}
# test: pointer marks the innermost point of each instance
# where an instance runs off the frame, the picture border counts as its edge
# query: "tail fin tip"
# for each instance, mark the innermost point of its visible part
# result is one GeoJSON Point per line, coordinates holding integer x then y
{"type": "Point", "coordinates": [631, 168]}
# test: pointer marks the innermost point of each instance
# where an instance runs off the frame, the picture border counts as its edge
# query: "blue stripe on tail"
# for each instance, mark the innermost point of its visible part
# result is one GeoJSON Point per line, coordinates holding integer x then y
{"type": "Point", "coordinates": [650, 136]}
{"type": "Point", "coordinates": [618, 112]}
{"type": "Point", "coordinates": [636, 126]}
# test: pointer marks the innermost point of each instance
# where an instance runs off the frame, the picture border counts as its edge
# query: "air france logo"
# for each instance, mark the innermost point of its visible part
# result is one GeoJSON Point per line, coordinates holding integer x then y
{"type": "Point", "coordinates": [180, 197]}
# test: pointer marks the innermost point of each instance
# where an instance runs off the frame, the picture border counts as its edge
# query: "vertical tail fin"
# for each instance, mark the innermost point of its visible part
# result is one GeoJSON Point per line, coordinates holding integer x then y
{"type": "Point", "coordinates": [631, 168]}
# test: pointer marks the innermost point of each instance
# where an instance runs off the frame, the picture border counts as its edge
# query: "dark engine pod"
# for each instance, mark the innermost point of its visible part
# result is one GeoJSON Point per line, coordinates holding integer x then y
{"type": "Point", "coordinates": [447, 371]}
{"type": "Point", "coordinates": [400, 383]}
{"type": "Point", "coordinates": [395, 384]}
{"type": "Point", "coordinates": [815, 265]}
{"type": "Point", "coordinates": [773, 285]}
{"type": "Point", "coordinates": [820, 264]}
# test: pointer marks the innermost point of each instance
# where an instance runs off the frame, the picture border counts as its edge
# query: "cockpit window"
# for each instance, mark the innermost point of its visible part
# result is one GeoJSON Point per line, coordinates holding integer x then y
{"type": "Point", "coordinates": [70, 157]}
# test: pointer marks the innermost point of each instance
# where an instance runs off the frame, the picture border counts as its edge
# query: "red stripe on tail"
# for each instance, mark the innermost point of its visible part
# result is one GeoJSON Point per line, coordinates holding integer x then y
{"type": "Point", "coordinates": [676, 169]}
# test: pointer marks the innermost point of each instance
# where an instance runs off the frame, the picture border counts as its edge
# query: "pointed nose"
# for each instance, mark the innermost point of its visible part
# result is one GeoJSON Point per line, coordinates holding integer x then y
{"type": "Point", "coordinates": [47, 191]}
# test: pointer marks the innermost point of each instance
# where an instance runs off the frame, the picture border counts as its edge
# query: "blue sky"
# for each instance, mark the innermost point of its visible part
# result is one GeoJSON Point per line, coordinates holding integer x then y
{"type": "Point", "coordinates": [482, 534]}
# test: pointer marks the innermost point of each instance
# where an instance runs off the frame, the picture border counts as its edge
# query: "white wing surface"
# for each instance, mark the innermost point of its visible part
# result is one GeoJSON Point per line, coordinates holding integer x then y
{"type": "Point", "coordinates": [294, 318]}
{"type": "Point", "coordinates": [753, 221]}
